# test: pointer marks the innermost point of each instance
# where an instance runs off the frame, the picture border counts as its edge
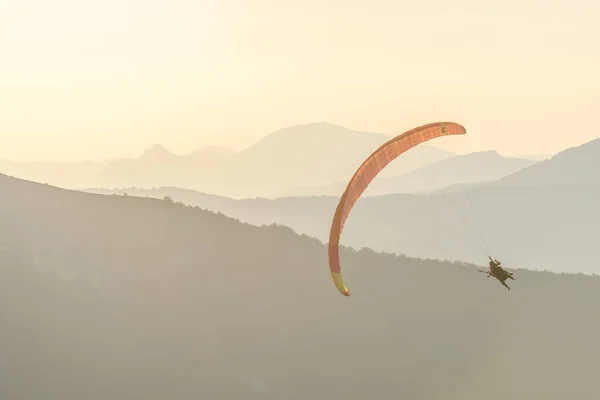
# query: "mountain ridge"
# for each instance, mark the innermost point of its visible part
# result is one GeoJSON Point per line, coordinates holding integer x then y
{"type": "Point", "coordinates": [449, 225]}
{"type": "Point", "coordinates": [476, 167]}
{"type": "Point", "coordinates": [106, 296]}
{"type": "Point", "coordinates": [299, 155]}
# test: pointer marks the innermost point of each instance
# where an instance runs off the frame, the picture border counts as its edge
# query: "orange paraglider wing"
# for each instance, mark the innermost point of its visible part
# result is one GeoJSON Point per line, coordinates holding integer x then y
{"type": "Point", "coordinates": [369, 169]}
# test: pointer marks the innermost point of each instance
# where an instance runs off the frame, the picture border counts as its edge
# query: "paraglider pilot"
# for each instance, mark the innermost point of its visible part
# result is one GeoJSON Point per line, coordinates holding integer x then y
{"type": "Point", "coordinates": [499, 273]}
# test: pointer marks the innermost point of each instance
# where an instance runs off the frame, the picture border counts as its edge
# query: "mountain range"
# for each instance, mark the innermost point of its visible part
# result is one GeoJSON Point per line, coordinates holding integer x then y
{"type": "Point", "coordinates": [303, 160]}
{"type": "Point", "coordinates": [125, 297]}
{"type": "Point", "coordinates": [575, 166]}
{"type": "Point", "coordinates": [159, 166]}
{"type": "Point", "coordinates": [152, 166]}
{"type": "Point", "coordinates": [305, 155]}
{"type": "Point", "coordinates": [546, 221]}
{"type": "Point", "coordinates": [470, 168]}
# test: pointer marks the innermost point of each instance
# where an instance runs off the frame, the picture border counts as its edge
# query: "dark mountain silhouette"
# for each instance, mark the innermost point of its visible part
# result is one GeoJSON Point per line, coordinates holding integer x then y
{"type": "Point", "coordinates": [546, 227]}
{"type": "Point", "coordinates": [476, 167]}
{"type": "Point", "coordinates": [123, 297]}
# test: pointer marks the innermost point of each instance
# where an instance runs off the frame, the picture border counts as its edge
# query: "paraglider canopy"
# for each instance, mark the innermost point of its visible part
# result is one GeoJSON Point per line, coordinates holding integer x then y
{"type": "Point", "coordinates": [369, 169]}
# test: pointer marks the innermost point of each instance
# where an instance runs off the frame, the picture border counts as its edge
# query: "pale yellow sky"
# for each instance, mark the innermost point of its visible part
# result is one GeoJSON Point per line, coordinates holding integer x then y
{"type": "Point", "coordinates": [102, 79]}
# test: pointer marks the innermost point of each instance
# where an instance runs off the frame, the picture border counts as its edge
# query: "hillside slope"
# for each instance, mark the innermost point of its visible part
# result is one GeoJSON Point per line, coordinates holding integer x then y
{"type": "Point", "coordinates": [547, 227]}
{"type": "Point", "coordinates": [575, 166]}
{"type": "Point", "coordinates": [122, 297]}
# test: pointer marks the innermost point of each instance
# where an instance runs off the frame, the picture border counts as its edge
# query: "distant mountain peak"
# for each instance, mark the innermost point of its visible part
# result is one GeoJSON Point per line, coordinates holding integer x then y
{"type": "Point", "coordinates": [318, 132]}
{"type": "Point", "coordinates": [157, 153]}
{"type": "Point", "coordinates": [575, 165]}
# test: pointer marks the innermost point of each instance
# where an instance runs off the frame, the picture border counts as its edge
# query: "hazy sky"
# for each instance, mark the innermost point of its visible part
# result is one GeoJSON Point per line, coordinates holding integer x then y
{"type": "Point", "coordinates": [100, 79]}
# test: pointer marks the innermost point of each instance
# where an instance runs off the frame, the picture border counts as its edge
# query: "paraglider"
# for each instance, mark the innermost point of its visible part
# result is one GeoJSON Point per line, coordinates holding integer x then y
{"type": "Point", "coordinates": [499, 273]}
{"type": "Point", "coordinates": [369, 169]}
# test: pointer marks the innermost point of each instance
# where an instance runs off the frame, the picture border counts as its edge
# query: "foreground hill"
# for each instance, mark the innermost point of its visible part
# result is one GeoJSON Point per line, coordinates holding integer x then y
{"type": "Point", "coordinates": [121, 297]}
{"type": "Point", "coordinates": [486, 166]}
{"type": "Point", "coordinates": [548, 227]}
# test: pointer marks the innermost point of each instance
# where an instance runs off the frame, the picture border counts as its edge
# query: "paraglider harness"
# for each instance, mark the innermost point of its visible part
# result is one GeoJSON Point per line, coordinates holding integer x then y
{"type": "Point", "coordinates": [497, 271]}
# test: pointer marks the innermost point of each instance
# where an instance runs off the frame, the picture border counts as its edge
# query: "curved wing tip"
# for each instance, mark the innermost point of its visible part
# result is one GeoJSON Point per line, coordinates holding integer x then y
{"type": "Point", "coordinates": [339, 283]}
{"type": "Point", "coordinates": [344, 290]}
